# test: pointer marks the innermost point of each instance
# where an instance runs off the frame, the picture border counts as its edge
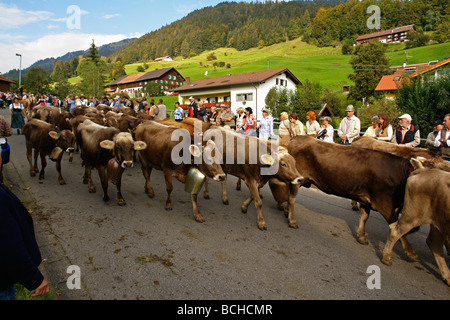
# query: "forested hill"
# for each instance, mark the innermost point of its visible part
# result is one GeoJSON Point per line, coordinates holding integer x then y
{"type": "Point", "coordinates": [257, 24]}
{"type": "Point", "coordinates": [229, 24]}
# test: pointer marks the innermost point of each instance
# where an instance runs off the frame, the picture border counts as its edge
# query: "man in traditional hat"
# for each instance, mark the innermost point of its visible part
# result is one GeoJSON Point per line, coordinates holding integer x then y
{"type": "Point", "coordinates": [350, 126]}
{"type": "Point", "coordinates": [407, 134]}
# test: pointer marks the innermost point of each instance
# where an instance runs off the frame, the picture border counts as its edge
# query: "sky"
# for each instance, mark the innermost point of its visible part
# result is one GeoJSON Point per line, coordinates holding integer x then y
{"type": "Point", "coordinates": [51, 28]}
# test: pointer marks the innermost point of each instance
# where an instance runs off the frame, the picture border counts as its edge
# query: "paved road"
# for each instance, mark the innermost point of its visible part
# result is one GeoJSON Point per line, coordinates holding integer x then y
{"type": "Point", "coordinates": [140, 251]}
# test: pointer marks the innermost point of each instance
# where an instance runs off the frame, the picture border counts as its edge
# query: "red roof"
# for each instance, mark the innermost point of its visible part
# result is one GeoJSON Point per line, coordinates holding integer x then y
{"type": "Point", "coordinates": [237, 79]}
{"type": "Point", "coordinates": [386, 32]}
{"type": "Point", "coordinates": [389, 83]}
{"type": "Point", "coordinates": [2, 78]}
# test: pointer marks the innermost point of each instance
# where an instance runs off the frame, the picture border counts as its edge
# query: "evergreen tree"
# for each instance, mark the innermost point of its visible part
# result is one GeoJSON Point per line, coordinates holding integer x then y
{"type": "Point", "coordinates": [369, 64]}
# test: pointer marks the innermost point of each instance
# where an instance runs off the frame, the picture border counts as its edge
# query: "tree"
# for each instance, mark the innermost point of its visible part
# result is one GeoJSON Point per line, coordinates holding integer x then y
{"type": "Point", "coordinates": [118, 70]}
{"type": "Point", "coordinates": [92, 69]}
{"type": "Point", "coordinates": [425, 102]}
{"type": "Point", "coordinates": [37, 80]}
{"type": "Point", "coordinates": [154, 90]}
{"type": "Point", "coordinates": [369, 64]}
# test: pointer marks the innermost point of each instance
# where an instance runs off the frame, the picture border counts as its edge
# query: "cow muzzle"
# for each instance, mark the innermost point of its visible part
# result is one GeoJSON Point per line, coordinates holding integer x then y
{"type": "Point", "coordinates": [219, 177]}
{"type": "Point", "coordinates": [298, 180]}
{"type": "Point", "coordinates": [70, 150]}
{"type": "Point", "coordinates": [127, 164]}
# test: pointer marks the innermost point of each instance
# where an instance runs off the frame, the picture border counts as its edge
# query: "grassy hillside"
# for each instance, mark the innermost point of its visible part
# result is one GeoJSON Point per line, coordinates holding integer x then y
{"type": "Point", "coordinates": [324, 65]}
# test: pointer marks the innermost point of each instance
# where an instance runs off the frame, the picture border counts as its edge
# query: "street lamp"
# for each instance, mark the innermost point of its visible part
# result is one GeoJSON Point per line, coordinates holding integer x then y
{"type": "Point", "coordinates": [20, 69]}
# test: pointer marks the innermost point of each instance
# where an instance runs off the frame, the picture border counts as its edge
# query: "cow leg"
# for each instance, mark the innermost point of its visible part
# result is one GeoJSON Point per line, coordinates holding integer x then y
{"type": "Point", "coordinates": [398, 230]}
{"type": "Point", "coordinates": [36, 156]}
{"type": "Point", "coordinates": [44, 165]}
{"type": "Point", "coordinates": [393, 237]}
{"type": "Point", "coordinates": [435, 242]}
{"type": "Point", "coordinates": [147, 171]}
{"type": "Point", "coordinates": [363, 216]}
{"type": "Point", "coordinates": [254, 192]}
{"type": "Point", "coordinates": [120, 200]}
{"type": "Point", "coordinates": [29, 157]}
{"type": "Point", "coordinates": [104, 180]}
{"type": "Point", "coordinates": [197, 215]}
{"type": "Point", "coordinates": [293, 191]}
{"type": "Point", "coordinates": [58, 168]}
{"type": "Point", "coordinates": [225, 191]}
{"type": "Point", "coordinates": [206, 191]}
{"type": "Point", "coordinates": [88, 177]}
{"type": "Point", "coordinates": [169, 189]}
{"type": "Point", "coordinates": [239, 185]}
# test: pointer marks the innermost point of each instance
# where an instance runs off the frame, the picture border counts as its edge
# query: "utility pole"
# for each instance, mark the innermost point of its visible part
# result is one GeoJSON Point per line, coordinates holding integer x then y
{"type": "Point", "coordinates": [20, 69]}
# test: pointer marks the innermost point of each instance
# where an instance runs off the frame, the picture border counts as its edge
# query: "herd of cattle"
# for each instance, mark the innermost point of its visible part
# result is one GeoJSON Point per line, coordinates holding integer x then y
{"type": "Point", "coordinates": [408, 186]}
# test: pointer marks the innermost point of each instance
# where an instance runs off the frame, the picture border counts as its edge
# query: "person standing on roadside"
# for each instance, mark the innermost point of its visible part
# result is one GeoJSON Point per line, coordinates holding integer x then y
{"type": "Point", "coordinates": [350, 127]}
{"type": "Point", "coordinates": [442, 140]}
{"type": "Point", "coordinates": [18, 248]}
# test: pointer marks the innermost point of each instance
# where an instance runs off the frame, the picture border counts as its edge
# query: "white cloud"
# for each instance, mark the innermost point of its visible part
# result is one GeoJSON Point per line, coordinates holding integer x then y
{"type": "Point", "coordinates": [110, 16]}
{"type": "Point", "coordinates": [13, 17]}
{"type": "Point", "coordinates": [53, 45]}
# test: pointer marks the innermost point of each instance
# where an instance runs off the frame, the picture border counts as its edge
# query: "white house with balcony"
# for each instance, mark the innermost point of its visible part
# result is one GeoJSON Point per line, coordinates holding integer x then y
{"type": "Point", "coordinates": [235, 89]}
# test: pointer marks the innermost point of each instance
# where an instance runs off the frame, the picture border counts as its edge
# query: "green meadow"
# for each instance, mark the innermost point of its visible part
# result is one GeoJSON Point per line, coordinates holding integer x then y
{"type": "Point", "coordinates": [326, 66]}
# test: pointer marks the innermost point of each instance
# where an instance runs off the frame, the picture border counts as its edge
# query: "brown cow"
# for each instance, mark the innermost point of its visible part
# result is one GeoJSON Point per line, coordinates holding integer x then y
{"type": "Point", "coordinates": [433, 159]}
{"type": "Point", "coordinates": [249, 172]}
{"type": "Point", "coordinates": [159, 156]}
{"type": "Point", "coordinates": [100, 145]}
{"type": "Point", "coordinates": [44, 137]}
{"type": "Point", "coordinates": [427, 201]}
{"type": "Point", "coordinates": [374, 179]}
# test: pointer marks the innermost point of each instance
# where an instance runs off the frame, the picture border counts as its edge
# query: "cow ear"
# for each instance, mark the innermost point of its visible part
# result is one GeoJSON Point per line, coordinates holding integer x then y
{"type": "Point", "coordinates": [54, 135]}
{"type": "Point", "coordinates": [267, 159]}
{"type": "Point", "coordinates": [140, 145]}
{"type": "Point", "coordinates": [417, 163]}
{"type": "Point", "coordinates": [195, 150]}
{"type": "Point", "coordinates": [107, 144]}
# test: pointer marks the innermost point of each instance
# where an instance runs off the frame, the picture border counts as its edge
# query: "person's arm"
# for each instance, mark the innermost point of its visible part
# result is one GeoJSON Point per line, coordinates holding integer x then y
{"type": "Point", "coordinates": [356, 130]}
{"type": "Point", "coordinates": [390, 134]}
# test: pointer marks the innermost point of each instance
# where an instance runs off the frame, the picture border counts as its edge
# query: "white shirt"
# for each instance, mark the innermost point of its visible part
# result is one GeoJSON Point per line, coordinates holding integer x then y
{"type": "Point", "coordinates": [330, 134]}
{"type": "Point", "coordinates": [437, 143]}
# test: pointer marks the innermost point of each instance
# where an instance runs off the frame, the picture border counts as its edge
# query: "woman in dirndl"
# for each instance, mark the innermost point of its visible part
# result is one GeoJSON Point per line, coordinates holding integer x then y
{"type": "Point", "coordinates": [17, 115]}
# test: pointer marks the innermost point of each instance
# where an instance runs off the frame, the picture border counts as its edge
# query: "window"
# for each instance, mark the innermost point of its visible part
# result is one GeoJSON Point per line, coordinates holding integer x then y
{"type": "Point", "coordinates": [244, 97]}
{"type": "Point", "coordinates": [397, 78]}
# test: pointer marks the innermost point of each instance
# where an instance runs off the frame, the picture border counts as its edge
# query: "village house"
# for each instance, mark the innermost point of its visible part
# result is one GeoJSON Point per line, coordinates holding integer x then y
{"type": "Point", "coordinates": [168, 78]}
{"type": "Point", "coordinates": [391, 83]}
{"type": "Point", "coordinates": [239, 90]}
{"type": "Point", "coordinates": [5, 84]}
{"type": "Point", "coordinates": [395, 35]}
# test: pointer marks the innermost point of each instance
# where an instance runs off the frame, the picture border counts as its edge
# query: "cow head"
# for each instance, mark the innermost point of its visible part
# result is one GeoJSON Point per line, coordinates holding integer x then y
{"type": "Point", "coordinates": [65, 140]}
{"type": "Point", "coordinates": [210, 166]}
{"type": "Point", "coordinates": [123, 146]}
{"type": "Point", "coordinates": [287, 170]}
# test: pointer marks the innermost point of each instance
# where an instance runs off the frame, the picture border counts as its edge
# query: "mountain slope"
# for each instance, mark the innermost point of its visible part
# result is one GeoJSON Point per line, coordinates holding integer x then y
{"type": "Point", "coordinates": [47, 64]}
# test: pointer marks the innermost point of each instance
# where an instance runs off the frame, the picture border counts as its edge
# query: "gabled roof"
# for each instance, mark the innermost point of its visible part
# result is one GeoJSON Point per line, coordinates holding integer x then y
{"type": "Point", "coordinates": [390, 83]}
{"type": "Point", "coordinates": [144, 76]}
{"type": "Point", "coordinates": [432, 67]}
{"type": "Point", "coordinates": [237, 79]}
{"type": "Point", "coordinates": [4, 79]}
{"type": "Point", "coordinates": [386, 32]}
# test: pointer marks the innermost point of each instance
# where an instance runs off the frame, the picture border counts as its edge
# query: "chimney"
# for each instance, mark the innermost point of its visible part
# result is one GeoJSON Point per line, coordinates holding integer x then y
{"type": "Point", "coordinates": [188, 81]}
